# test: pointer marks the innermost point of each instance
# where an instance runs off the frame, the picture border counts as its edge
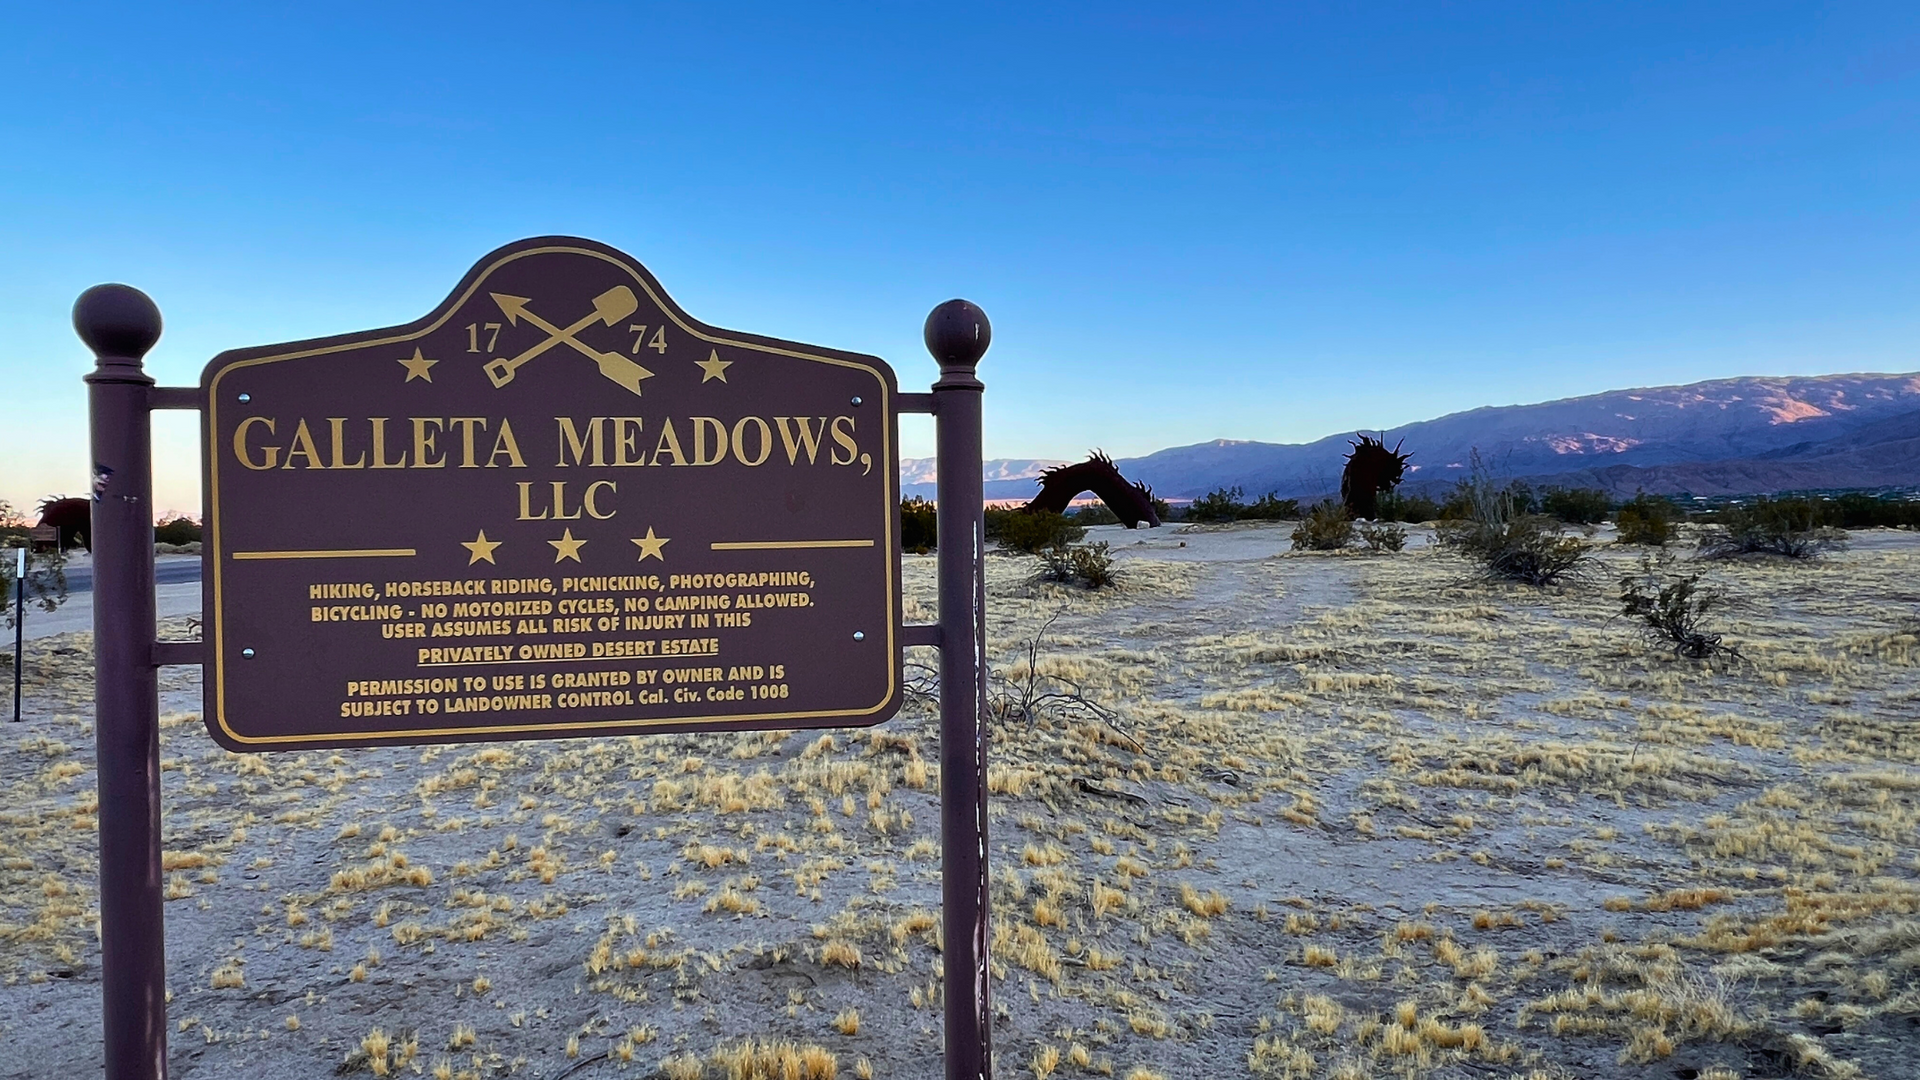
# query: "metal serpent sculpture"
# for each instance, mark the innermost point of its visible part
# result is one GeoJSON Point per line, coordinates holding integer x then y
{"type": "Point", "coordinates": [73, 517]}
{"type": "Point", "coordinates": [1371, 469]}
{"type": "Point", "coordinates": [1130, 501]}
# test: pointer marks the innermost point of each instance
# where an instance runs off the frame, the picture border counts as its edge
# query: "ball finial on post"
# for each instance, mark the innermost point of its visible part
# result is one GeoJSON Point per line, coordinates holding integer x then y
{"type": "Point", "coordinates": [118, 322]}
{"type": "Point", "coordinates": [957, 334]}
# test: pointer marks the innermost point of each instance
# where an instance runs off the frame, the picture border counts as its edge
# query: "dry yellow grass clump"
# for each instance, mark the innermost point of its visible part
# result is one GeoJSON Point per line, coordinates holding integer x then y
{"type": "Point", "coordinates": [754, 1059]}
{"type": "Point", "coordinates": [1313, 818]}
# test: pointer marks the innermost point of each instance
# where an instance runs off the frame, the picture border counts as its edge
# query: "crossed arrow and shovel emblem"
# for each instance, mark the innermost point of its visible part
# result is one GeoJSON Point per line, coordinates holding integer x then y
{"type": "Point", "coordinates": [609, 308]}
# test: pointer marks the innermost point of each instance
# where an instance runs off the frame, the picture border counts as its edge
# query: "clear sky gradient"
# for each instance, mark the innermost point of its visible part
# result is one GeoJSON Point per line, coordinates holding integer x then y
{"type": "Point", "coordinates": [1187, 222]}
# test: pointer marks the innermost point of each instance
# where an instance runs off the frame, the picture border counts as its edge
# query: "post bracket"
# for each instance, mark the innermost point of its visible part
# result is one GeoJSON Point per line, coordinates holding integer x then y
{"type": "Point", "coordinates": [179, 653]}
{"type": "Point", "coordinates": [173, 397]}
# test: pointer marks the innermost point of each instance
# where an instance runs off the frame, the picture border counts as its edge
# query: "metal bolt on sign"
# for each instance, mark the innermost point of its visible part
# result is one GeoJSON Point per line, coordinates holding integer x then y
{"type": "Point", "coordinates": [308, 500]}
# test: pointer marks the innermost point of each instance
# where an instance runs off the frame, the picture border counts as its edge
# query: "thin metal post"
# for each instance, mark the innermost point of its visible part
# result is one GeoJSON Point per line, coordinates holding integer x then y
{"type": "Point", "coordinates": [957, 334]}
{"type": "Point", "coordinates": [19, 623]}
{"type": "Point", "coordinates": [120, 324]}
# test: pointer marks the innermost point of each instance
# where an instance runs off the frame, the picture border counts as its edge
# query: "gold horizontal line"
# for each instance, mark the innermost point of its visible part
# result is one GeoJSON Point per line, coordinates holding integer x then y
{"type": "Point", "coordinates": [769, 545]}
{"type": "Point", "coordinates": [329, 553]}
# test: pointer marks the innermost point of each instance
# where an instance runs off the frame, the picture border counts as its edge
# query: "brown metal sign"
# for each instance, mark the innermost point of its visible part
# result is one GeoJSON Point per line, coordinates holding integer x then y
{"type": "Point", "coordinates": [556, 506]}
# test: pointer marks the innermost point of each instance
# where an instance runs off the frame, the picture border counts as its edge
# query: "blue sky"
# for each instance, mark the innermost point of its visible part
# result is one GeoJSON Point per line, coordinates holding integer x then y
{"type": "Point", "coordinates": [1186, 221]}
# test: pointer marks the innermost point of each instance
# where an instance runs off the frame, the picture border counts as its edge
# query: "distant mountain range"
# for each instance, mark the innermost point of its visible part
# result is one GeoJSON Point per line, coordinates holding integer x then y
{"type": "Point", "coordinates": [1724, 437]}
{"type": "Point", "coordinates": [1006, 478]}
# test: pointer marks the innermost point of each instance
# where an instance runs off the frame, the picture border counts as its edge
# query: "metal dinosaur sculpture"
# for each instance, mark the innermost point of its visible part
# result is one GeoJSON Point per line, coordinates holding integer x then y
{"type": "Point", "coordinates": [73, 517]}
{"type": "Point", "coordinates": [1371, 469]}
{"type": "Point", "coordinates": [1130, 501]}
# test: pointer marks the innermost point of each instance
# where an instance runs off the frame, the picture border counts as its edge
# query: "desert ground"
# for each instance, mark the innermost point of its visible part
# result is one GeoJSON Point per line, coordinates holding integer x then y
{"type": "Point", "coordinates": [1337, 816]}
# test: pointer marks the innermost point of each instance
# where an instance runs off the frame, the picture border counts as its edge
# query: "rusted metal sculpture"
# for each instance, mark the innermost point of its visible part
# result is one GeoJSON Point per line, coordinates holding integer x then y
{"type": "Point", "coordinates": [1130, 501]}
{"type": "Point", "coordinates": [1371, 469]}
{"type": "Point", "coordinates": [74, 519]}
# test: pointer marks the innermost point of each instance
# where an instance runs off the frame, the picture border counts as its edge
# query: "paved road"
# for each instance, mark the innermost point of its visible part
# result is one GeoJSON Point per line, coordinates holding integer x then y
{"type": "Point", "coordinates": [177, 592]}
{"type": "Point", "coordinates": [168, 570]}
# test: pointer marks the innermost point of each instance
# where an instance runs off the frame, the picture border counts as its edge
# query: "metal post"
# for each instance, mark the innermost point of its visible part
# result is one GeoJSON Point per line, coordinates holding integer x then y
{"type": "Point", "coordinates": [120, 324]}
{"type": "Point", "coordinates": [19, 623]}
{"type": "Point", "coordinates": [957, 334]}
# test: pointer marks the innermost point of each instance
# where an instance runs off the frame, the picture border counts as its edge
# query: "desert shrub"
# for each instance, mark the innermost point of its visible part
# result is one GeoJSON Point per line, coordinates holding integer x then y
{"type": "Point", "coordinates": [1528, 548]}
{"type": "Point", "coordinates": [1383, 536]}
{"type": "Point", "coordinates": [1576, 506]}
{"type": "Point", "coordinates": [180, 530]}
{"type": "Point", "coordinates": [1860, 510]}
{"type": "Point", "coordinates": [1409, 508]}
{"type": "Point", "coordinates": [1495, 526]}
{"type": "Point", "coordinates": [1161, 510]}
{"type": "Point", "coordinates": [1220, 504]}
{"type": "Point", "coordinates": [1031, 531]}
{"type": "Point", "coordinates": [1639, 527]}
{"type": "Point", "coordinates": [1093, 565]}
{"type": "Point", "coordinates": [1670, 610]}
{"type": "Point", "coordinates": [1224, 504]}
{"type": "Point", "coordinates": [14, 528]}
{"type": "Point", "coordinates": [1326, 527]}
{"type": "Point", "coordinates": [46, 579]}
{"type": "Point", "coordinates": [1056, 564]}
{"type": "Point", "coordinates": [1086, 564]}
{"type": "Point", "coordinates": [1469, 496]}
{"type": "Point", "coordinates": [1787, 528]}
{"type": "Point", "coordinates": [1846, 510]}
{"type": "Point", "coordinates": [1463, 502]}
{"type": "Point", "coordinates": [1647, 520]}
{"type": "Point", "coordinates": [919, 526]}
{"type": "Point", "coordinates": [1096, 514]}
{"type": "Point", "coordinates": [1270, 507]}
{"type": "Point", "coordinates": [1028, 691]}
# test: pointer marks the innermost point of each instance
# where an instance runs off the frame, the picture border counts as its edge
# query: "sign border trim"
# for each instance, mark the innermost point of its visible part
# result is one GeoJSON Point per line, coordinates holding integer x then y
{"type": "Point", "coordinates": [484, 269]}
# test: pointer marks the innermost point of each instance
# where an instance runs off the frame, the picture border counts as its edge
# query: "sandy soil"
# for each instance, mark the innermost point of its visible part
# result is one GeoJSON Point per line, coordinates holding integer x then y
{"type": "Point", "coordinates": [1355, 815]}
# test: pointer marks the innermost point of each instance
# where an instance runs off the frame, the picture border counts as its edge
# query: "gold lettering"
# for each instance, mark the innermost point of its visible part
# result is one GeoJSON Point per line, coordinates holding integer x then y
{"type": "Point", "coordinates": [466, 425]}
{"type": "Point", "coordinates": [560, 503]}
{"type": "Point", "coordinates": [380, 447]}
{"type": "Point", "coordinates": [702, 425]}
{"type": "Point", "coordinates": [423, 443]}
{"type": "Point", "coordinates": [669, 444]}
{"type": "Point", "coordinates": [571, 437]}
{"type": "Point", "coordinates": [303, 447]}
{"type": "Point", "coordinates": [845, 440]}
{"type": "Point", "coordinates": [240, 443]}
{"type": "Point", "coordinates": [526, 511]}
{"type": "Point", "coordinates": [740, 442]}
{"type": "Point", "coordinates": [588, 504]}
{"type": "Point", "coordinates": [503, 444]}
{"type": "Point", "coordinates": [808, 436]}
{"type": "Point", "coordinates": [339, 425]}
{"type": "Point", "coordinates": [625, 441]}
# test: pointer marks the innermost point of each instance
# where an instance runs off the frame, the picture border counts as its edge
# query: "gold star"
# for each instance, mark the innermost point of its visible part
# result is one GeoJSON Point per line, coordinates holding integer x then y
{"type": "Point", "coordinates": [652, 546]}
{"type": "Point", "coordinates": [481, 547]}
{"type": "Point", "coordinates": [714, 367]}
{"type": "Point", "coordinates": [417, 367]}
{"type": "Point", "coordinates": [567, 547]}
